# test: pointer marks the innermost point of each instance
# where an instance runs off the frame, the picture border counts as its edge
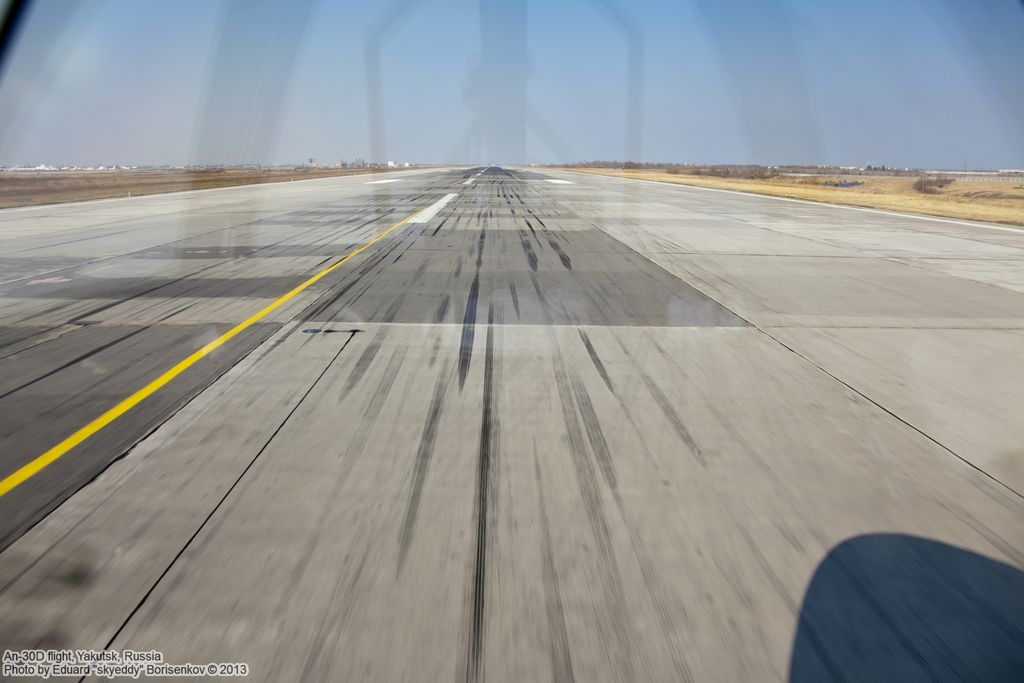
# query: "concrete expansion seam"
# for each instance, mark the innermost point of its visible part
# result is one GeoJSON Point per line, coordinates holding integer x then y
{"type": "Point", "coordinates": [230, 489]}
{"type": "Point", "coordinates": [867, 398]}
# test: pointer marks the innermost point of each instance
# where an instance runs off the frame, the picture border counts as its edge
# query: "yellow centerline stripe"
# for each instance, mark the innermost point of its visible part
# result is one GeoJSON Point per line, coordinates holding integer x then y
{"type": "Point", "coordinates": [29, 470]}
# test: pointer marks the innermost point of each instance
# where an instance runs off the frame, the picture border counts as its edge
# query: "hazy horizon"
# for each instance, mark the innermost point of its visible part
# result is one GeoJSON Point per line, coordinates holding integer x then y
{"type": "Point", "coordinates": [348, 163]}
{"type": "Point", "coordinates": [923, 85]}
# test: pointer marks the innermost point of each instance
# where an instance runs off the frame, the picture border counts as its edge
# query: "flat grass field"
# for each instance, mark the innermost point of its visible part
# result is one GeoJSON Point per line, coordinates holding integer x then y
{"type": "Point", "coordinates": [995, 201]}
{"type": "Point", "coordinates": [31, 188]}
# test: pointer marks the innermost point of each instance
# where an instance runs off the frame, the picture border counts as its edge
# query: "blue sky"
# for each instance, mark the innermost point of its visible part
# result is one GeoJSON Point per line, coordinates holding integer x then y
{"type": "Point", "coordinates": [931, 83]}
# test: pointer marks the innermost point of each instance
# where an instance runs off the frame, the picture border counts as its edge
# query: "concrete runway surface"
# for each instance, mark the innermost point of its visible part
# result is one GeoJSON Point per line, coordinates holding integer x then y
{"type": "Point", "coordinates": [559, 427]}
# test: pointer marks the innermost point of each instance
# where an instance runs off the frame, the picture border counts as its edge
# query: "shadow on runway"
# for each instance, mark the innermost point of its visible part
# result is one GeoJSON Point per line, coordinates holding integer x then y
{"type": "Point", "coordinates": [889, 607]}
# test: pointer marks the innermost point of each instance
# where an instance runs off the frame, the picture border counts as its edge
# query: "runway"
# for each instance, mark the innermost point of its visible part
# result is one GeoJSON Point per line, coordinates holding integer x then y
{"type": "Point", "coordinates": [510, 424]}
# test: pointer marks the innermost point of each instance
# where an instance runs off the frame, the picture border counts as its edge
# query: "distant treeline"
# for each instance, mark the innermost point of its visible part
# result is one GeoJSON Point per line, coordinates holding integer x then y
{"type": "Point", "coordinates": [718, 170]}
{"type": "Point", "coordinates": [740, 170]}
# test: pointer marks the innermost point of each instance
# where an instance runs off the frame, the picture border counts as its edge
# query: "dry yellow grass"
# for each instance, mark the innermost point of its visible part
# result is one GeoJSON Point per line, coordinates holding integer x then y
{"type": "Point", "coordinates": [981, 200]}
